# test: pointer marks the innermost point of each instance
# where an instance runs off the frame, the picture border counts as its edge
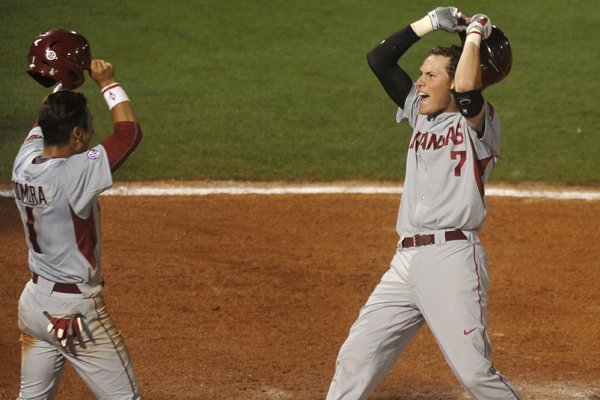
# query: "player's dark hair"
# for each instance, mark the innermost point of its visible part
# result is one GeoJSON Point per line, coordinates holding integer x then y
{"type": "Point", "coordinates": [453, 53]}
{"type": "Point", "coordinates": [59, 114]}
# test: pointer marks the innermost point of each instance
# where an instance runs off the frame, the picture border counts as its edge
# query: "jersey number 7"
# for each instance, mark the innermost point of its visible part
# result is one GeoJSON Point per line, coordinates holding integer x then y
{"type": "Point", "coordinates": [461, 156]}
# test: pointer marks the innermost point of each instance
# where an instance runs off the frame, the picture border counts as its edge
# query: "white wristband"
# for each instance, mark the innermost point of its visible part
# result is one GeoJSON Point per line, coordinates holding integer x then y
{"type": "Point", "coordinates": [423, 26]}
{"type": "Point", "coordinates": [474, 37]}
{"type": "Point", "coordinates": [113, 95]}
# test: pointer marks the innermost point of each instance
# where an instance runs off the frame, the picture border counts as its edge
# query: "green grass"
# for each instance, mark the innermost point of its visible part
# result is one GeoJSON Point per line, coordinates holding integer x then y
{"type": "Point", "coordinates": [280, 90]}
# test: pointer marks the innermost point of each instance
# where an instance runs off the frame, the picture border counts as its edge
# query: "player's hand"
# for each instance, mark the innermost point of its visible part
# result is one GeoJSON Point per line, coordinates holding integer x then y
{"type": "Point", "coordinates": [449, 19]}
{"type": "Point", "coordinates": [102, 72]}
{"type": "Point", "coordinates": [65, 328]}
{"type": "Point", "coordinates": [480, 23]}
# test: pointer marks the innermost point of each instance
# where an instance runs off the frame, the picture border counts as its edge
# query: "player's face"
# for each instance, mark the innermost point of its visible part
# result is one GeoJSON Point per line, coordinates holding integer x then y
{"type": "Point", "coordinates": [434, 85]}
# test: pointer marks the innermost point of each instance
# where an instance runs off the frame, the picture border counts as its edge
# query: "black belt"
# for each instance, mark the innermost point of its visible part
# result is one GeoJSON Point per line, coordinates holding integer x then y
{"type": "Point", "coordinates": [60, 287]}
{"type": "Point", "coordinates": [425, 240]}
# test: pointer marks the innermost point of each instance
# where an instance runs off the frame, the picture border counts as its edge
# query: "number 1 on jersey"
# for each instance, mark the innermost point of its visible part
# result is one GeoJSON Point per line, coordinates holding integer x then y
{"type": "Point", "coordinates": [31, 230]}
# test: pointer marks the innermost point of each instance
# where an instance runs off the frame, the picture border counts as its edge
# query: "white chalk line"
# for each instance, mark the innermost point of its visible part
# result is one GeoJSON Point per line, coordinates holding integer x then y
{"type": "Point", "coordinates": [265, 189]}
{"type": "Point", "coordinates": [558, 391]}
{"type": "Point", "coordinates": [547, 391]}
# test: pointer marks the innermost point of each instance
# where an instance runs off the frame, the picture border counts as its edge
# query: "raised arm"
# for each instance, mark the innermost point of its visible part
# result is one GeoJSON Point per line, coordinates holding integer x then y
{"type": "Point", "coordinates": [127, 133]}
{"type": "Point", "coordinates": [467, 80]}
{"type": "Point", "coordinates": [383, 59]}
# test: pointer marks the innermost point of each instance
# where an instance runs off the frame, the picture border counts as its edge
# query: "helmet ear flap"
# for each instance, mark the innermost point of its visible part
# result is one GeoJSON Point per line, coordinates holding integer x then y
{"type": "Point", "coordinates": [72, 76]}
{"type": "Point", "coordinates": [43, 80]}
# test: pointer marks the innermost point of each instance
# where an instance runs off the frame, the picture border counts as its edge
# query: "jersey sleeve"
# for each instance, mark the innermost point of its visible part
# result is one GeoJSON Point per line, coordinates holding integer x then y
{"type": "Point", "coordinates": [410, 112]}
{"type": "Point", "coordinates": [124, 140]}
{"type": "Point", "coordinates": [491, 132]}
{"type": "Point", "coordinates": [86, 176]}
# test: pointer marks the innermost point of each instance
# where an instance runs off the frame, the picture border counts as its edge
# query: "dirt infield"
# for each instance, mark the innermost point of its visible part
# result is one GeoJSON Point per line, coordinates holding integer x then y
{"type": "Point", "coordinates": [250, 297]}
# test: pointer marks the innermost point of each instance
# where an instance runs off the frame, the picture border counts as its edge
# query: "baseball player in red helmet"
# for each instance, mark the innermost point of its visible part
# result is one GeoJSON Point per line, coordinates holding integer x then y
{"type": "Point", "coordinates": [56, 179]}
{"type": "Point", "coordinates": [438, 274]}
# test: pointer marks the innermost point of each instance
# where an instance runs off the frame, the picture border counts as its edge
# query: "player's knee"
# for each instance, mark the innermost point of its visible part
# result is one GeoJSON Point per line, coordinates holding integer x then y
{"type": "Point", "coordinates": [477, 383]}
{"type": "Point", "coordinates": [473, 380]}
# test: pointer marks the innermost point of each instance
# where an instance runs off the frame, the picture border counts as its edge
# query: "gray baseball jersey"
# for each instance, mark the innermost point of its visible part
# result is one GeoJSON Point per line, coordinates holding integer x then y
{"type": "Point", "coordinates": [446, 168]}
{"type": "Point", "coordinates": [57, 202]}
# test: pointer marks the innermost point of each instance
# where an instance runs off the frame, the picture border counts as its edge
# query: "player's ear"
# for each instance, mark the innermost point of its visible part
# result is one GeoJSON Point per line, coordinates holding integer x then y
{"type": "Point", "coordinates": [77, 134]}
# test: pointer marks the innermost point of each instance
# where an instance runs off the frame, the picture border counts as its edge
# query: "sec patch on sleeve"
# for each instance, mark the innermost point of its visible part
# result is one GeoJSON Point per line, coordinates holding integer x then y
{"type": "Point", "coordinates": [93, 154]}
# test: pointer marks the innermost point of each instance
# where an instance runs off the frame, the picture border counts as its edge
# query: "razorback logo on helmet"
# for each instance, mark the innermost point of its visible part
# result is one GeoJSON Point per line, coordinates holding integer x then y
{"type": "Point", "coordinates": [50, 55]}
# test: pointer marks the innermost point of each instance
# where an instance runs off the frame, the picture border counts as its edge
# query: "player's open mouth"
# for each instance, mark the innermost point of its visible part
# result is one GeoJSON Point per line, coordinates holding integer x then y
{"type": "Point", "coordinates": [423, 96]}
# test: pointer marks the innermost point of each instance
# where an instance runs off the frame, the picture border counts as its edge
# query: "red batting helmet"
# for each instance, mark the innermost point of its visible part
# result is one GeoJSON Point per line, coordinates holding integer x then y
{"type": "Point", "coordinates": [59, 55]}
{"type": "Point", "coordinates": [495, 56]}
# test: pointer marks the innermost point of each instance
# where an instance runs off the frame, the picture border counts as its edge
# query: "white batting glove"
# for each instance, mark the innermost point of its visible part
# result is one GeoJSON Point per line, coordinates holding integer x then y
{"type": "Point", "coordinates": [480, 24]}
{"type": "Point", "coordinates": [449, 19]}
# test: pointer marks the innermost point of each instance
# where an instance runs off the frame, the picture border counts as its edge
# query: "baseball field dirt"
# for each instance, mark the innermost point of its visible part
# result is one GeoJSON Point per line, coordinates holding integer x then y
{"type": "Point", "coordinates": [250, 297]}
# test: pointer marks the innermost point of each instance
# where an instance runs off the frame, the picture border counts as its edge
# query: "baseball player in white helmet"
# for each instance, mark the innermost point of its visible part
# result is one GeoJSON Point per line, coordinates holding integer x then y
{"type": "Point", "coordinates": [56, 180]}
{"type": "Point", "coordinates": [438, 274]}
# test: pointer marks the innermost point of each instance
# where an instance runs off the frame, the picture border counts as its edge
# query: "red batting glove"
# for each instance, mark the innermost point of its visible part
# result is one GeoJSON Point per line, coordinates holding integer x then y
{"type": "Point", "coordinates": [65, 328]}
